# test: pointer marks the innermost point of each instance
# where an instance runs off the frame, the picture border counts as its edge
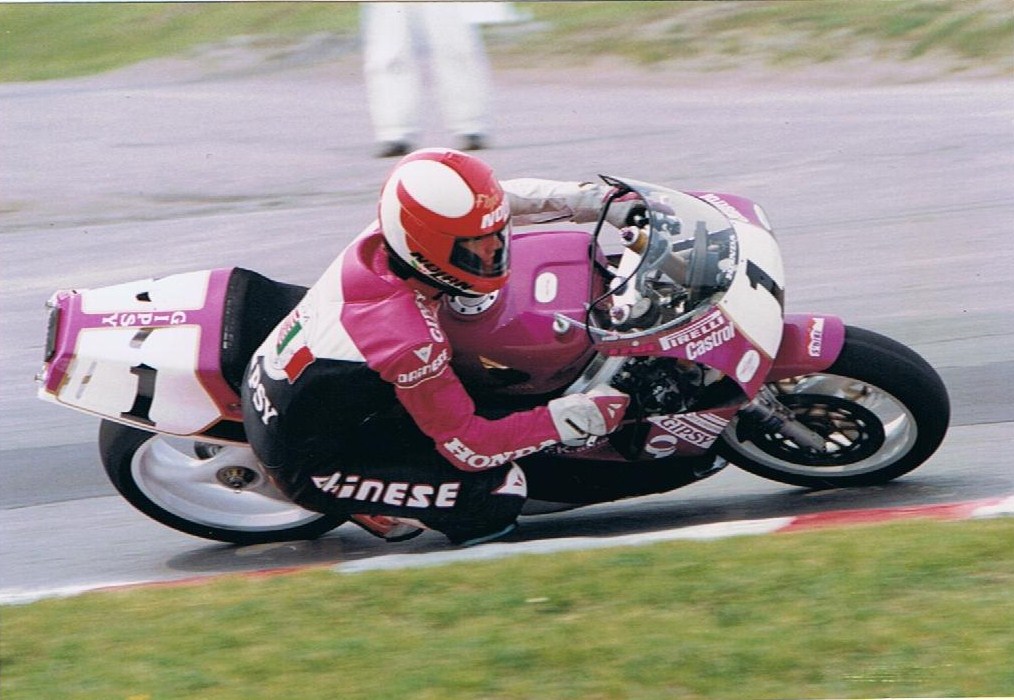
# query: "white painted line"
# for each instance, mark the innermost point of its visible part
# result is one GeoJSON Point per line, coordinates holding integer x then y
{"type": "Point", "coordinates": [15, 596]}
{"type": "Point", "coordinates": [498, 550]}
{"type": "Point", "coordinates": [1002, 508]}
{"type": "Point", "coordinates": [990, 508]}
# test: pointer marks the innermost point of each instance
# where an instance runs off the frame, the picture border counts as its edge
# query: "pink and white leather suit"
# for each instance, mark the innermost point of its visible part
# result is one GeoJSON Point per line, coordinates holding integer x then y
{"type": "Point", "coordinates": [346, 400]}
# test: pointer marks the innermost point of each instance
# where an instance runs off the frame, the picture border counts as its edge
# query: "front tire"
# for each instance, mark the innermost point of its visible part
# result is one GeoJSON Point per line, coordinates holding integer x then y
{"type": "Point", "coordinates": [218, 494]}
{"type": "Point", "coordinates": [882, 409]}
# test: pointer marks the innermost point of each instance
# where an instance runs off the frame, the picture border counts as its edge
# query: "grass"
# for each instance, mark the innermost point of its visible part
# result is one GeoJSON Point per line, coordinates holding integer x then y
{"type": "Point", "coordinates": [784, 32]}
{"type": "Point", "coordinates": [55, 40]}
{"type": "Point", "coordinates": [906, 610]}
{"type": "Point", "coordinates": [41, 41]}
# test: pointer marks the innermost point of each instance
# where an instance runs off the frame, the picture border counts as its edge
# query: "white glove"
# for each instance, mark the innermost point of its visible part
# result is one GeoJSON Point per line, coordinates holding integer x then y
{"type": "Point", "coordinates": [626, 210]}
{"type": "Point", "coordinates": [579, 416]}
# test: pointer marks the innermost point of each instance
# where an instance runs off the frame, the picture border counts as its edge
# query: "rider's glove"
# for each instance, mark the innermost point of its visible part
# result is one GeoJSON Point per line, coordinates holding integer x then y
{"type": "Point", "coordinates": [626, 210]}
{"type": "Point", "coordinates": [580, 416]}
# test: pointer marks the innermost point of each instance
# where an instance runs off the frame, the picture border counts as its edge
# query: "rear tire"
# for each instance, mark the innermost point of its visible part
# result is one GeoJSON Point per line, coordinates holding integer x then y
{"type": "Point", "coordinates": [881, 407]}
{"type": "Point", "coordinates": [215, 494]}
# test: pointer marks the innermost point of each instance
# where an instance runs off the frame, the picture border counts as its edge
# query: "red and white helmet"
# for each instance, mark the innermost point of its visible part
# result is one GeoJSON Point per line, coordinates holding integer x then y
{"type": "Point", "coordinates": [445, 215]}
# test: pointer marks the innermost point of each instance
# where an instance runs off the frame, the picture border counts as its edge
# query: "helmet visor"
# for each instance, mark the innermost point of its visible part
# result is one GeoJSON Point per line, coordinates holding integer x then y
{"type": "Point", "coordinates": [483, 256]}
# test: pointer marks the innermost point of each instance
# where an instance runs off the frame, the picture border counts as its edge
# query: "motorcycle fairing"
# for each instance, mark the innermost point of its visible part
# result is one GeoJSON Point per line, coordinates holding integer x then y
{"type": "Point", "coordinates": [736, 208]}
{"type": "Point", "coordinates": [145, 352]}
{"type": "Point", "coordinates": [511, 346]}
{"type": "Point", "coordinates": [691, 433]}
{"type": "Point", "coordinates": [737, 329]}
{"type": "Point", "coordinates": [686, 434]}
{"type": "Point", "coordinates": [810, 343]}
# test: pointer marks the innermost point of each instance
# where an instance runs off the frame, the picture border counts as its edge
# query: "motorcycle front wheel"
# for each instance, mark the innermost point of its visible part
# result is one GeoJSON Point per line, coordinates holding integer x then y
{"type": "Point", "coordinates": [219, 494]}
{"type": "Point", "coordinates": [881, 409]}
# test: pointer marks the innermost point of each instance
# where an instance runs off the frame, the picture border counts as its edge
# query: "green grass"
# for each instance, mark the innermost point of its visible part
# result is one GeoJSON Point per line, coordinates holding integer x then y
{"type": "Point", "coordinates": [907, 610]}
{"type": "Point", "coordinates": [40, 41]}
{"type": "Point", "coordinates": [783, 32]}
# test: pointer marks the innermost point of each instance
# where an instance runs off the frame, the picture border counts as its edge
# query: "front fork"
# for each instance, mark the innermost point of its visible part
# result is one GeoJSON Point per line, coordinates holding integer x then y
{"type": "Point", "coordinates": [769, 414]}
{"type": "Point", "coordinates": [810, 343]}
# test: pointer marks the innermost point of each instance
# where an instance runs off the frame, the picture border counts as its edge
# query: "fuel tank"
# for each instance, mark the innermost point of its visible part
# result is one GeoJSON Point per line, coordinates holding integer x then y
{"type": "Point", "coordinates": [506, 344]}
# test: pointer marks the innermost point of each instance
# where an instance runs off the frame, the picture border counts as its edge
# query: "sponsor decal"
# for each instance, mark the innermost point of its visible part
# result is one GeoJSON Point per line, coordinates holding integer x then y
{"type": "Point", "coordinates": [429, 316]}
{"type": "Point", "coordinates": [354, 487]}
{"type": "Point", "coordinates": [514, 485]}
{"type": "Point", "coordinates": [300, 360]}
{"type": "Point", "coordinates": [588, 445]}
{"type": "Point", "coordinates": [661, 446]}
{"type": "Point", "coordinates": [487, 201]}
{"type": "Point", "coordinates": [473, 460]}
{"type": "Point", "coordinates": [700, 429]}
{"type": "Point", "coordinates": [292, 354]}
{"type": "Point", "coordinates": [430, 369]}
{"type": "Point", "coordinates": [815, 335]}
{"type": "Point", "coordinates": [724, 207]}
{"type": "Point", "coordinates": [289, 329]}
{"type": "Point", "coordinates": [748, 366]}
{"type": "Point", "coordinates": [709, 342]}
{"type": "Point", "coordinates": [259, 395]}
{"type": "Point", "coordinates": [546, 287]}
{"type": "Point", "coordinates": [147, 318]}
{"type": "Point", "coordinates": [613, 407]}
{"type": "Point", "coordinates": [498, 215]}
{"type": "Point", "coordinates": [696, 331]}
{"type": "Point", "coordinates": [436, 273]}
{"type": "Point", "coordinates": [733, 255]}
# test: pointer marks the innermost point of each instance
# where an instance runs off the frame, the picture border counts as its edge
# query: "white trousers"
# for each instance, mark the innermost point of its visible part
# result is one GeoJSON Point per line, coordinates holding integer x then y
{"type": "Point", "coordinates": [393, 36]}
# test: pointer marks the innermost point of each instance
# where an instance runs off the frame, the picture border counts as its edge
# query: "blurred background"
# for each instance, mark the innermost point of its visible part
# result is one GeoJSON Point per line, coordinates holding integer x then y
{"type": "Point", "coordinates": [908, 39]}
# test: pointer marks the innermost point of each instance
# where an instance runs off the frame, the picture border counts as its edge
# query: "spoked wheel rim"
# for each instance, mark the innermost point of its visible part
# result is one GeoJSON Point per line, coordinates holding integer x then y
{"type": "Point", "coordinates": [223, 488]}
{"type": "Point", "coordinates": [865, 428]}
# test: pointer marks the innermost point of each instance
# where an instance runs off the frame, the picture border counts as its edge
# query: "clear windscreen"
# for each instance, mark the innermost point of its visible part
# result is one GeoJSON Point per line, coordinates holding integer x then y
{"type": "Point", "coordinates": [679, 258]}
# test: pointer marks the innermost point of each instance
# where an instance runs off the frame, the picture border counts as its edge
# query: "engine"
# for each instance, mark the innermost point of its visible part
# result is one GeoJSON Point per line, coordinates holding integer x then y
{"type": "Point", "coordinates": [660, 385]}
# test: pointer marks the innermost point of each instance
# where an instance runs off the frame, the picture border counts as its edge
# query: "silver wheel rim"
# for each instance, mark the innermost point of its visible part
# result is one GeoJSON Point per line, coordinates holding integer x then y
{"type": "Point", "coordinates": [189, 487]}
{"type": "Point", "coordinates": [899, 425]}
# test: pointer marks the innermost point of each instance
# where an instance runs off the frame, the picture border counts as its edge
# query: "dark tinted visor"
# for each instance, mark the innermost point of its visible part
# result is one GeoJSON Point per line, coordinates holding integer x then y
{"type": "Point", "coordinates": [483, 256]}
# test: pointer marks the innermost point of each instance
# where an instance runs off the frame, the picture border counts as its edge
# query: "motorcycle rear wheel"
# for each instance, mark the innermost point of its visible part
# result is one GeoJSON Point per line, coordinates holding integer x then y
{"type": "Point", "coordinates": [217, 495]}
{"type": "Point", "coordinates": [882, 409]}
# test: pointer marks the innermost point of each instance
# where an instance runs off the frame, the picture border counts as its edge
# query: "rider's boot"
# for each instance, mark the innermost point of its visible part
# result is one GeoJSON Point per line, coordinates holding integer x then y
{"type": "Point", "coordinates": [389, 528]}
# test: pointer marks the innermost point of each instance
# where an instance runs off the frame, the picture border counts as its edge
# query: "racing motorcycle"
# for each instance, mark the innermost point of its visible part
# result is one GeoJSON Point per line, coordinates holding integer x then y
{"type": "Point", "coordinates": [685, 314]}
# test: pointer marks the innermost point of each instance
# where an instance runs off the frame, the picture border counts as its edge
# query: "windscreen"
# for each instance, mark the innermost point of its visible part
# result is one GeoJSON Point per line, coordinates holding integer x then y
{"type": "Point", "coordinates": [681, 257]}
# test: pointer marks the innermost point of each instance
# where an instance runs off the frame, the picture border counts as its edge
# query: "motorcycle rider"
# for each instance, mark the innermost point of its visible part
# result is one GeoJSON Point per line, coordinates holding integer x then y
{"type": "Point", "coordinates": [351, 403]}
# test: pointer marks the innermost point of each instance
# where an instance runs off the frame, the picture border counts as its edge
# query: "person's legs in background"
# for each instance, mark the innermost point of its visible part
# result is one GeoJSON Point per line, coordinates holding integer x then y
{"type": "Point", "coordinates": [460, 70]}
{"type": "Point", "coordinates": [392, 74]}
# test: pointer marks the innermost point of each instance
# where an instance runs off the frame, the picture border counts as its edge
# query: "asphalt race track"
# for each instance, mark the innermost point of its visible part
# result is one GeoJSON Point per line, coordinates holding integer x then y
{"type": "Point", "coordinates": [894, 206]}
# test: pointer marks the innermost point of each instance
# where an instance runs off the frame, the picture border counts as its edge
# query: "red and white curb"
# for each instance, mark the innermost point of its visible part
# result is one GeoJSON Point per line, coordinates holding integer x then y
{"type": "Point", "coordinates": [987, 508]}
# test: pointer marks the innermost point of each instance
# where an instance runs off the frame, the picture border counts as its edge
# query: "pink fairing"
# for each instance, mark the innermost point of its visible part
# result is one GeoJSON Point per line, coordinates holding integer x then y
{"type": "Point", "coordinates": [735, 207]}
{"type": "Point", "coordinates": [810, 343]}
{"type": "Point", "coordinates": [511, 348]}
{"type": "Point", "coordinates": [95, 334]}
{"type": "Point", "coordinates": [401, 338]}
